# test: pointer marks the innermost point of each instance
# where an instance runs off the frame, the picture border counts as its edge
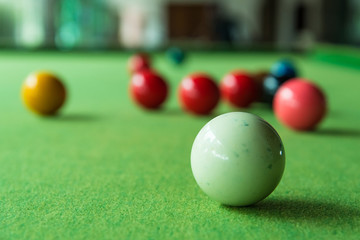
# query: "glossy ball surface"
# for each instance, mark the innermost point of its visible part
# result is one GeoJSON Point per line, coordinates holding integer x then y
{"type": "Point", "coordinates": [148, 89]}
{"type": "Point", "coordinates": [239, 89]}
{"type": "Point", "coordinates": [283, 70]}
{"type": "Point", "coordinates": [259, 78]}
{"type": "Point", "coordinates": [270, 86]}
{"type": "Point", "coordinates": [139, 62]}
{"type": "Point", "coordinates": [300, 104]}
{"type": "Point", "coordinates": [43, 93]}
{"type": "Point", "coordinates": [198, 94]}
{"type": "Point", "coordinates": [237, 159]}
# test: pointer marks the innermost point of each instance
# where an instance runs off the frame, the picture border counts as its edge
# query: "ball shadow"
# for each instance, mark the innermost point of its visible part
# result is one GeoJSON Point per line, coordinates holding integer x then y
{"type": "Point", "coordinates": [78, 117]}
{"type": "Point", "coordinates": [179, 111]}
{"type": "Point", "coordinates": [337, 132]}
{"type": "Point", "coordinates": [262, 106]}
{"type": "Point", "coordinates": [172, 111]}
{"type": "Point", "coordinates": [318, 212]}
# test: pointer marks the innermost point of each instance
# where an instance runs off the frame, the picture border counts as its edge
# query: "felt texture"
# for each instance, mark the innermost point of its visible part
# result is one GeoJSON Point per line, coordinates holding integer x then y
{"type": "Point", "coordinates": [106, 169]}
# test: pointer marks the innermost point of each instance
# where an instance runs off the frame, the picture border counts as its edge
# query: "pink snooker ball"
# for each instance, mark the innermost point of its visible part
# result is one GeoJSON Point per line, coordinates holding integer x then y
{"type": "Point", "coordinates": [300, 104]}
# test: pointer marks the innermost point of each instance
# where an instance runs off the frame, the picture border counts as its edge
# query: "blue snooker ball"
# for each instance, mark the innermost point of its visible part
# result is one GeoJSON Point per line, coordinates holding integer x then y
{"type": "Point", "coordinates": [283, 70]}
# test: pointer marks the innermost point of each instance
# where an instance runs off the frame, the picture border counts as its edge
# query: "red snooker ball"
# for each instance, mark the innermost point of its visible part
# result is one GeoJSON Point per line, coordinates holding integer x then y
{"type": "Point", "coordinates": [138, 62]}
{"type": "Point", "coordinates": [299, 104]}
{"type": "Point", "coordinates": [198, 94]}
{"type": "Point", "coordinates": [239, 89]}
{"type": "Point", "coordinates": [148, 89]}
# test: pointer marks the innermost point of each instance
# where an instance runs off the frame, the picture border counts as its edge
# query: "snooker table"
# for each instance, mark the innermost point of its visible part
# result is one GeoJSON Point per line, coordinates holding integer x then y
{"type": "Point", "coordinates": [106, 169]}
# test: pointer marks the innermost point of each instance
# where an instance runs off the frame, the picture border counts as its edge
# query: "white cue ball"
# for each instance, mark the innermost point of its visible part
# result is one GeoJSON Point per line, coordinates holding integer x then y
{"type": "Point", "coordinates": [237, 159]}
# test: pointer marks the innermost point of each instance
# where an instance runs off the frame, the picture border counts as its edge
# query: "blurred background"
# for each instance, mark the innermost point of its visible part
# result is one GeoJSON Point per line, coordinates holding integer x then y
{"type": "Point", "coordinates": [157, 24]}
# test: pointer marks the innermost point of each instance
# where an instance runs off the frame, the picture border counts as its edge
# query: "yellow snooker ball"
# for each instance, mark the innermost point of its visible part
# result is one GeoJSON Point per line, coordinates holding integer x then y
{"type": "Point", "coordinates": [43, 93]}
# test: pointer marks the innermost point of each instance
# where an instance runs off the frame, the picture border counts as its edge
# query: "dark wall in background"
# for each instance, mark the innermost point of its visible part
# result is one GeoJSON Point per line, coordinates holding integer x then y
{"type": "Point", "coordinates": [336, 18]}
{"type": "Point", "coordinates": [268, 23]}
{"type": "Point", "coordinates": [191, 21]}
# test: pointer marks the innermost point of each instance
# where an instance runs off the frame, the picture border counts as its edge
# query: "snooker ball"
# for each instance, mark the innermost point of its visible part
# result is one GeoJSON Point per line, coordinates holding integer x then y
{"type": "Point", "coordinates": [237, 159]}
{"type": "Point", "coordinates": [270, 86]}
{"type": "Point", "coordinates": [283, 70]}
{"type": "Point", "coordinates": [239, 89]}
{"type": "Point", "coordinates": [148, 89]}
{"type": "Point", "coordinates": [198, 94]}
{"type": "Point", "coordinates": [176, 55]}
{"type": "Point", "coordinates": [259, 78]}
{"type": "Point", "coordinates": [139, 62]}
{"type": "Point", "coordinates": [43, 93]}
{"type": "Point", "coordinates": [300, 104]}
